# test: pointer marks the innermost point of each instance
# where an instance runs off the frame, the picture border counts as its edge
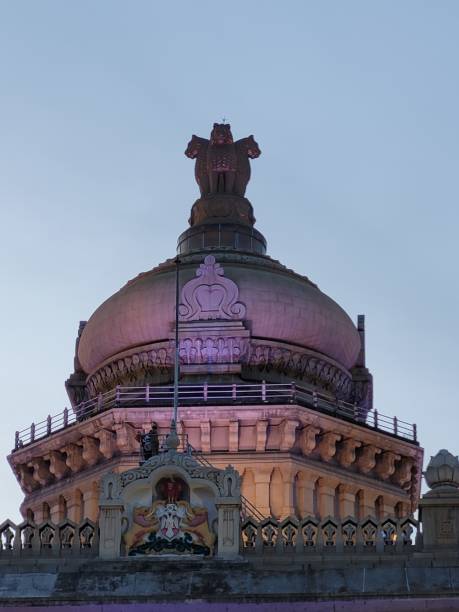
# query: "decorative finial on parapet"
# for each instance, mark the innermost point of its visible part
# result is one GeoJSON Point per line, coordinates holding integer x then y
{"type": "Point", "coordinates": [172, 440]}
{"type": "Point", "coordinates": [443, 471]}
{"type": "Point", "coordinates": [222, 165]}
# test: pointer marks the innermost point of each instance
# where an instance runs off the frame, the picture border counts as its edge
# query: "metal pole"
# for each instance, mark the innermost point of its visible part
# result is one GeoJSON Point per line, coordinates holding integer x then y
{"type": "Point", "coordinates": [177, 347]}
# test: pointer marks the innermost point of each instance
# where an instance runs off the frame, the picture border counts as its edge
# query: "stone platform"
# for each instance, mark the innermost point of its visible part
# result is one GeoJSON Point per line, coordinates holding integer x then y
{"type": "Point", "coordinates": [425, 583]}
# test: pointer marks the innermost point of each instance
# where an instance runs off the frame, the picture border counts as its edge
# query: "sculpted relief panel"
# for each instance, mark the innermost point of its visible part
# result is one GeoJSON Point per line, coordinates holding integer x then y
{"type": "Point", "coordinates": [210, 296]}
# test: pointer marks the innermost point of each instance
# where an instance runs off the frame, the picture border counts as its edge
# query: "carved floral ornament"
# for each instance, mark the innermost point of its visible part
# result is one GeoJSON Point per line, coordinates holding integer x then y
{"type": "Point", "coordinates": [210, 295]}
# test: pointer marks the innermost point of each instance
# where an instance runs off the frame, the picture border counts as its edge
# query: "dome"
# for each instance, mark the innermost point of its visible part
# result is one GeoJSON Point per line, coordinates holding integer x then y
{"type": "Point", "coordinates": [280, 306]}
{"type": "Point", "coordinates": [243, 316]}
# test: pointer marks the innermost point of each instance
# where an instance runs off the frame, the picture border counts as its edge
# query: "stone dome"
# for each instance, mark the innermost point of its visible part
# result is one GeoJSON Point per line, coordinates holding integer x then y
{"type": "Point", "coordinates": [243, 315]}
{"type": "Point", "coordinates": [280, 307]}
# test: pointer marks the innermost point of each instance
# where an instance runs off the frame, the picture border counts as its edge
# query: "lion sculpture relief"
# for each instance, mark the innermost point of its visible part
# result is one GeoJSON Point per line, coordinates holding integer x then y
{"type": "Point", "coordinates": [222, 165]}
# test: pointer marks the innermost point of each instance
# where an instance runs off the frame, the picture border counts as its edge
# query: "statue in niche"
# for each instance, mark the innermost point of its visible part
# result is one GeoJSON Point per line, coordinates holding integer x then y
{"type": "Point", "coordinates": [149, 444]}
{"type": "Point", "coordinates": [222, 165]}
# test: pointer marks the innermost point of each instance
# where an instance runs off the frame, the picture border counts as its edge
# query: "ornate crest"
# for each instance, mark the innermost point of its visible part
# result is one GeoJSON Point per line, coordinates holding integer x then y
{"type": "Point", "coordinates": [170, 525]}
{"type": "Point", "coordinates": [210, 295]}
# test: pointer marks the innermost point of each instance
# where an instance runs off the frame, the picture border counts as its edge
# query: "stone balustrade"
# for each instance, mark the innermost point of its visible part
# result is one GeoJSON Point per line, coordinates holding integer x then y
{"type": "Point", "coordinates": [48, 539]}
{"type": "Point", "coordinates": [329, 535]}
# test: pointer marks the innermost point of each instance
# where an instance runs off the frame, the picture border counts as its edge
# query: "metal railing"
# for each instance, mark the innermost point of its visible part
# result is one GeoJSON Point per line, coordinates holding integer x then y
{"type": "Point", "coordinates": [236, 394]}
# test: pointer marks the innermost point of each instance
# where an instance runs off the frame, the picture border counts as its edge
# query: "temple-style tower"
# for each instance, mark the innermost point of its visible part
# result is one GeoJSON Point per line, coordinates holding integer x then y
{"type": "Point", "coordinates": [272, 376]}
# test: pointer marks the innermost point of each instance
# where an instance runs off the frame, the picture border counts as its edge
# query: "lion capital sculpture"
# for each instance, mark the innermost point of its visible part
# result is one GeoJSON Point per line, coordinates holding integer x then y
{"type": "Point", "coordinates": [222, 165]}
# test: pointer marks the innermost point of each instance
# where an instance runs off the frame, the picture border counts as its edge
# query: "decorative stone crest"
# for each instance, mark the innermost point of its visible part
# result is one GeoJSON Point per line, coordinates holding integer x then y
{"type": "Point", "coordinates": [177, 521]}
{"type": "Point", "coordinates": [210, 296]}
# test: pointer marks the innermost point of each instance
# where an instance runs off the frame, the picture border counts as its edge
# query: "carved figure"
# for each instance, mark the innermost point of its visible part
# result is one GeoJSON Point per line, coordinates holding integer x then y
{"type": "Point", "coordinates": [222, 165]}
{"type": "Point", "coordinates": [149, 443]}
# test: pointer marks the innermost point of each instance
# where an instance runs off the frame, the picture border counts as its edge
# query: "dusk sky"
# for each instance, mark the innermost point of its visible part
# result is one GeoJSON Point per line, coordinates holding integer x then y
{"type": "Point", "coordinates": [355, 107]}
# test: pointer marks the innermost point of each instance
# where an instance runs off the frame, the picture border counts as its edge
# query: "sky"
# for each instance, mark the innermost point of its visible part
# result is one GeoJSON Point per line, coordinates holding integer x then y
{"type": "Point", "coordinates": [354, 106]}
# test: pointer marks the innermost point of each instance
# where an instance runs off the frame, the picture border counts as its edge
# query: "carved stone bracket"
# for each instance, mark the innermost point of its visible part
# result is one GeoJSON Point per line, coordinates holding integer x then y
{"type": "Point", "coordinates": [346, 452]}
{"type": "Point", "coordinates": [107, 445]}
{"type": "Point", "coordinates": [90, 450]}
{"type": "Point", "coordinates": [288, 434]}
{"type": "Point", "coordinates": [385, 465]}
{"type": "Point", "coordinates": [367, 458]}
{"type": "Point", "coordinates": [57, 465]}
{"type": "Point", "coordinates": [309, 439]}
{"type": "Point", "coordinates": [402, 474]}
{"type": "Point", "coordinates": [327, 445]}
{"type": "Point", "coordinates": [74, 458]}
{"type": "Point", "coordinates": [41, 471]}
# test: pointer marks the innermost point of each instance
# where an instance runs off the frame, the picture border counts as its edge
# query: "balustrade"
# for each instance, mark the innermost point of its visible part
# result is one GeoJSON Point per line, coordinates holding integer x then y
{"type": "Point", "coordinates": [218, 394]}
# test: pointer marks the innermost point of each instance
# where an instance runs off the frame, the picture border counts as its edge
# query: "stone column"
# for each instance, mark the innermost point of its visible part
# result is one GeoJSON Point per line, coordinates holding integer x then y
{"type": "Point", "coordinates": [262, 477]}
{"type": "Point", "coordinates": [288, 476]}
{"type": "Point", "coordinates": [388, 506]}
{"type": "Point", "coordinates": [55, 506]}
{"type": "Point", "coordinates": [74, 506]}
{"type": "Point", "coordinates": [38, 514]}
{"type": "Point", "coordinates": [91, 502]}
{"type": "Point", "coordinates": [327, 491]}
{"type": "Point", "coordinates": [305, 493]}
{"type": "Point", "coordinates": [367, 502]}
{"type": "Point", "coordinates": [346, 498]}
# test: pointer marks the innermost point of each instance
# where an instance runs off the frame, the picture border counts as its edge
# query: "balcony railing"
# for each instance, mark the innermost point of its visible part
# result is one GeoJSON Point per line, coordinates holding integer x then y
{"type": "Point", "coordinates": [232, 394]}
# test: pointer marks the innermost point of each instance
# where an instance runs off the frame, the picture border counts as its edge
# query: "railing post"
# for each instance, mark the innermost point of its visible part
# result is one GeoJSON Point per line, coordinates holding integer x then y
{"type": "Point", "coordinates": [315, 401]}
{"type": "Point", "coordinates": [375, 417]}
{"type": "Point", "coordinates": [263, 390]}
{"type": "Point", "coordinates": [205, 390]}
{"type": "Point", "coordinates": [292, 392]}
{"type": "Point", "coordinates": [48, 424]}
{"type": "Point", "coordinates": [395, 425]}
{"type": "Point", "coordinates": [234, 391]}
{"type": "Point", "coordinates": [66, 416]}
{"type": "Point", "coordinates": [117, 395]}
{"type": "Point", "coordinates": [147, 393]}
{"type": "Point", "coordinates": [99, 402]}
{"type": "Point", "coordinates": [16, 440]}
{"type": "Point", "coordinates": [32, 432]}
{"type": "Point", "coordinates": [415, 432]}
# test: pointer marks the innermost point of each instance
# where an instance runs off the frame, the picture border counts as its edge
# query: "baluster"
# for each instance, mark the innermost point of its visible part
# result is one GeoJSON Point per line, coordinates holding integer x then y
{"type": "Point", "coordinates": [375, 418]}
{"type": "Point", "coordinates": [234, 391]}
{"type": "Point", "coordinates": [205, 391]}
{"type": "Point", "coordinates": [147, 393]}
{"type": "Point", "coordinates": [263, 390]}
{"type": "Point", "coordinates": [99, 402]}
{"type": "Point", "coordinates": [292, 392]}
{"type": "Point", "coordinates": [66, 416]}
{"type": "Point", "coordinates": [315, 401]}
{"type": "Point", "coordinates": [415, 432]}
{"type": "Point", "coordinates": [16, 440]}
{"type": "Point", "coordinates": [48, 424]}
{"type": "Point", "coordinates": [117, 395]}
{"type": "Point", "coordinates": [395, 425]}
{"type": "Point", "coordinates": [32, 432]}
